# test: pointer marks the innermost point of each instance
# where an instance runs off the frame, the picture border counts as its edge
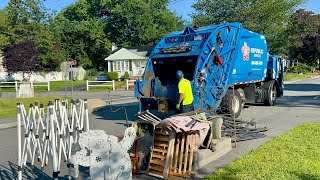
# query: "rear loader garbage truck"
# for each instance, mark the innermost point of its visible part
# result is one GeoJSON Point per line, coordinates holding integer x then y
{"type": "Point", "coordinates": [226, 64]}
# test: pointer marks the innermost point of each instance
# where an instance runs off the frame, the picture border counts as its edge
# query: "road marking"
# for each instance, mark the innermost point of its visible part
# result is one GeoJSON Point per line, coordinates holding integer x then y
{"type": "Point", "coordinates": [316, 97]}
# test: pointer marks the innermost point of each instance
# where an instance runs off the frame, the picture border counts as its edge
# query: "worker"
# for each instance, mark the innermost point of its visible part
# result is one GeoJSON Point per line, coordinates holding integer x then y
{"type": "Point", "coordinates": [185, 94]}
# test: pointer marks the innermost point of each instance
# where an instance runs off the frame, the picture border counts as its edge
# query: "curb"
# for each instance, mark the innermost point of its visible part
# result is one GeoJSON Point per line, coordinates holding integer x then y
{"type": "Point", "coordinates": [9, 125]}
{"type": "Point", "coordinates": [289, 82]}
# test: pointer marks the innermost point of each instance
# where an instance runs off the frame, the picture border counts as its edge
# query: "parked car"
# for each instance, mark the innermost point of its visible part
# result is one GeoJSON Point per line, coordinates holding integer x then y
{"type": "Point", "coordinates": [102, 77]}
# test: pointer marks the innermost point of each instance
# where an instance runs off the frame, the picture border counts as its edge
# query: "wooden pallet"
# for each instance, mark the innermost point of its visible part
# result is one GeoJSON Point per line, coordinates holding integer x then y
{"type": "Point", "coordinates": [181, 163]}
{"type": "Point", "coordinates": [172, 154]}
{"type": "Point", "coordinates": [161, 153]}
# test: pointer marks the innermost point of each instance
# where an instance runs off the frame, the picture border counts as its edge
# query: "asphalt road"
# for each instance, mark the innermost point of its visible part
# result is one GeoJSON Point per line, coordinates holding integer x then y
{"type": "Point", "coordinates": [300, 104]}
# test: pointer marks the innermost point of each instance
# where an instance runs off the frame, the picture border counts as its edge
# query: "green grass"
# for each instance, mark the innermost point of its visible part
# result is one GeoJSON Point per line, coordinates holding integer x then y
{"type": "Point", "coordinates": [8, 106]}
{"type": "Point", "coordinates": [54, 86]}
{"type": "Point", "coordinates": [118, 84]}
{"type": "Point", "coordinates": [293, 76]}
{"type": "Point", "coordinates": [59, 85]}
{"type": "Point", "coordinates": [294, 155]}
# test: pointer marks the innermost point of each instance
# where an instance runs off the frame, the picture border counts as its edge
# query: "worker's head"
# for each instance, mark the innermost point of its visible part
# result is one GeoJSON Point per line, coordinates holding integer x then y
{"type": "Point", "coordinates": [179, 74]}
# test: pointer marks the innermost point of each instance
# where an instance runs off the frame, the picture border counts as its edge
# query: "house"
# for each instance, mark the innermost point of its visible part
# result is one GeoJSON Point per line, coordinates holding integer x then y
{"type": "Point", "coordinates": [78, 73]}
{"type": "Point", "coordinates": [130, 59]}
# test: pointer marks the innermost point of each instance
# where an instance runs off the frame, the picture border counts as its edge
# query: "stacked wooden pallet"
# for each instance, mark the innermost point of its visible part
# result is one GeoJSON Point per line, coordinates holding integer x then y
{"type": "Point", "coordinates": [183, 154]}
{"type": "Point", "coordinates": [160, 154]}
{"type": "Point", "coordinates": [172, 154]}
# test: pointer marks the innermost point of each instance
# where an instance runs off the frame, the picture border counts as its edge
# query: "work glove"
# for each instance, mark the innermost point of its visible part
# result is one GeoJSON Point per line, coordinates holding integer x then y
{"type": "Point", "coordinates": [178, 106]}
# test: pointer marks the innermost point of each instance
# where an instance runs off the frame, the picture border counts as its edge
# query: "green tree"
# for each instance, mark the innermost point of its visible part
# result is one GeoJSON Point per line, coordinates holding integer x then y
{"type": "Point", "coordinates": [302, 35]}
{"type": "Point", "coordinates": [83, 41]}
{"type": "Point", "coordinates": [4, 33]}
{"type": "Point", "coordinates": [87, 27]}
{"type": "Point", "coordinates": [29, 19]}
{"type": "Point", "coordinates": [51, 52]}
{"type": "Point", "coordinates": [140, 22]}
{"type": "Point", "coordinates": [24, 17]}
{"type": "Point", "coordinates": [268, 17]}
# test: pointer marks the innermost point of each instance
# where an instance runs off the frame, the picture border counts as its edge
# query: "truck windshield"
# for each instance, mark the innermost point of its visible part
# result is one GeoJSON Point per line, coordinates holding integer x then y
{"type": "Point", "coordinates": [165, 68]}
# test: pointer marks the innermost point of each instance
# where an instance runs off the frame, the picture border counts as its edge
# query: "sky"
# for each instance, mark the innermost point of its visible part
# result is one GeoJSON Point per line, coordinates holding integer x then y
{"type": "Point", "coordinates": [181, 7]}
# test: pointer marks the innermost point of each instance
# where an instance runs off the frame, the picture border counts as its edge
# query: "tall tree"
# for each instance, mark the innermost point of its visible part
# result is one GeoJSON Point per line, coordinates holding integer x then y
{"type": "Point", "coordinates": [269, 17]}
{"type": "Point", "coordinates": [22, 57]}
{"type": "Point", "coordinates": [29, 19]}
{"type": "Point", "coordinates": [140, 22]}
{"type": "Point", "coordinates": [309, 52]}
{"type": "Point", "coordinates": [302, 32]}
{"type": "Point", "coordinates": [25, 17]}
{"type": "Point", "coordinates": [84, 41]}
{"type": "Point", "coordinates": [88, 26]}
{"type": "Point", "coordinates": [4, 33]}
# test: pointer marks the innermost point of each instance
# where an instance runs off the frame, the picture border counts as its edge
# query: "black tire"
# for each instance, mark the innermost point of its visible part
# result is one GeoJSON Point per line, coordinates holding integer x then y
{"type": "Point", "coordinates": [229, 101]}
{"type": "Point", "coordinates": [271, 95]}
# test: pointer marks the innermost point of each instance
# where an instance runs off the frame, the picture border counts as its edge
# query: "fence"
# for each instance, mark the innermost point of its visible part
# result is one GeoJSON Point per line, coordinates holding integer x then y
{"type": "Point", "coordinates": [50, 136]}
{"type": "Point", "coordinates": [15, 85]}
{"type": "Point", "coordinates": [100, 85]}
{"type": "Point", "coordinates": [130, 83]}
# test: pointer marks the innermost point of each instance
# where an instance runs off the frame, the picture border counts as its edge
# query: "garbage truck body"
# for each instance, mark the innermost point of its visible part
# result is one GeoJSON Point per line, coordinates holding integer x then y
{"type": "Point", "coordinates": [226, 64]}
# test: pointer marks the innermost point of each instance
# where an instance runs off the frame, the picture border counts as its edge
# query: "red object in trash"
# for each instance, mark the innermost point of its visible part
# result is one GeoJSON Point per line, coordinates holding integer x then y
{"type": "Point", "coordinates": [219, 59]}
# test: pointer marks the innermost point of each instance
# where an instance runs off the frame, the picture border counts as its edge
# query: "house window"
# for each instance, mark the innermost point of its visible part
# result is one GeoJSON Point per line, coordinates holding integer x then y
{"type": "Point", "coordinates": [122, 65]}
{"type": "Point", "coordinates": [130, 66]}
{"type": "Point", "coordinates": [111, 65]}
{"type": "Point", "coordinates": [127, 65]}
{"type": "Point", "coordinates": [118, 65]}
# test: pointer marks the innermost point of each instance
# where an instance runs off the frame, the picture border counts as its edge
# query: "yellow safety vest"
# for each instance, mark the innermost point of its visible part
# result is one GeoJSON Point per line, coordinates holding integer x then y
{"type": "Point", "coordinates": [185, 88]}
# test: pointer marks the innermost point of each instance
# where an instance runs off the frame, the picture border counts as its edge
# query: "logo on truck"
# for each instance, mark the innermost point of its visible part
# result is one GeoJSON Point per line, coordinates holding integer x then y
{"type": "Point", "coordinates": [245, 51]}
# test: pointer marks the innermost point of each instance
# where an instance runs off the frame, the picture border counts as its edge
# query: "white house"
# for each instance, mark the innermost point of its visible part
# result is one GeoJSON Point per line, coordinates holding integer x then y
{"type": "Point", "coordinates": [130, 59]}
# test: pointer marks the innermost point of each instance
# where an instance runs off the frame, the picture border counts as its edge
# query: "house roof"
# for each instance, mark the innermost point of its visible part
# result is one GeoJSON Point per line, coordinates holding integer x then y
{"type": "Point", "coordinates": [130, 53]}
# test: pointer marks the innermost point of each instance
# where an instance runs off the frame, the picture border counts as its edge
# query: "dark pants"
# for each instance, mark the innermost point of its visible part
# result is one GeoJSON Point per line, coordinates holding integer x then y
{"type": "Point", "coordinates": [187, 108]}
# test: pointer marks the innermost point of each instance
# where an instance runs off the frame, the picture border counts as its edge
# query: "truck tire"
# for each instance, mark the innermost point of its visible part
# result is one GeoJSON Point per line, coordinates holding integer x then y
{"type": "Point", "coordinates": [231, 104]}
{"type": "Point", "coordinates": [272, 95]}
{"type": "Point", "coordinates": [243, 97]}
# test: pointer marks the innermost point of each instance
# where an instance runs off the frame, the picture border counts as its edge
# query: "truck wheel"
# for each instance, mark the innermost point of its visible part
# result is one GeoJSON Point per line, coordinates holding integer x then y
{"type": "Point", "coordinates": [271, 97]}
{"type": "Point", "coordinates": [232, 104]}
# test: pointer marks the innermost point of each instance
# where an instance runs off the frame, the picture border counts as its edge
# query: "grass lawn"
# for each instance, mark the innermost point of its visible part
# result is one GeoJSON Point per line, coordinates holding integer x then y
{"type": "Point", "coordinates": [294, 155]}
{"type": "Point", "coordinates": [118, 84]}
{"type": "Point", "coordinates": [8, 106]}
{"type": "Point", "coordinates": [54, 86]}
{"type": "Point", "coordinates": [293, 76]}
{"type": "Point", "coordinates": [58, 85]}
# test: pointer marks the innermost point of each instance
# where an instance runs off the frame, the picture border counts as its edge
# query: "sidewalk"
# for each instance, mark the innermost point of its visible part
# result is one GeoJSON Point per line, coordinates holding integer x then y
{"type": "Point", "coordinates": [6, 123]}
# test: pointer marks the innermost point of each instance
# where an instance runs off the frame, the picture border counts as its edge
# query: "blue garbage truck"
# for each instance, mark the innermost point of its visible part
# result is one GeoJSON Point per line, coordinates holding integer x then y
{"type": "Point", "coordinates": [227, 65]}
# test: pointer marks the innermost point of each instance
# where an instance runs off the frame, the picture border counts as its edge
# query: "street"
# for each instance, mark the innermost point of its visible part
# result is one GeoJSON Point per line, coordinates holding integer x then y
{"type": "Point", "coordinates": [300, 104]}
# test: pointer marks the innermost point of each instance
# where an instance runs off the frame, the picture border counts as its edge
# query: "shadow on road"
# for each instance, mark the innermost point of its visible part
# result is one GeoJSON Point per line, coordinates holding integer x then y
{"type": "Point", "coordinates": [302, 87]}
{"type": "Point", "coordinates": [32, 172]}
{"type": "Point", "coordinates": [10, 172]}
{"type": "Point", "coordinates": [117, 112]}
{"type": "Point", "coordinates": [298, 101]}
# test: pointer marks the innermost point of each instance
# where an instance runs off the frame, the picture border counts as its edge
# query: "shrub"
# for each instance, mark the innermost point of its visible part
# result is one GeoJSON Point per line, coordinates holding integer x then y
{"type": "Point", "coordinates": [126, 75]}
{"type": "Point", "coordinates": [112, 75]}
{"type": "Point", "coordinates": [92, 72]}
{"type": "Point", "coordinates": [302, 68]}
